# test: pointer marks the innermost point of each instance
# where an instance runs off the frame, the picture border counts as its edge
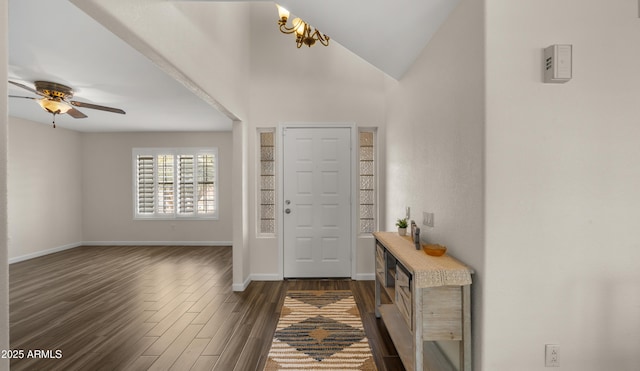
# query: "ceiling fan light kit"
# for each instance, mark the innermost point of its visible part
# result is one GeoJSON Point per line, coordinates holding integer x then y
{"type": "Point", "coordinates": [54, 106]}
{"type": "Point", "coordinates": [302, 30]}
{"type": "Point", "coordinates": [56, 99]}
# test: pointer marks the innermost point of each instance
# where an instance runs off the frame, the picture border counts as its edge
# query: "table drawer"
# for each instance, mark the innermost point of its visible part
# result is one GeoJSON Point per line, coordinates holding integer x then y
{"type": "Point", "coordinates": [404, 296]}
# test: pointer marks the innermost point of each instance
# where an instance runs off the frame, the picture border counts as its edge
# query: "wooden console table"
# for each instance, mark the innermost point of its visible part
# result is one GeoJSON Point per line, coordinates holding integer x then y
{"type": "Point", "coordinates": [431, 301]}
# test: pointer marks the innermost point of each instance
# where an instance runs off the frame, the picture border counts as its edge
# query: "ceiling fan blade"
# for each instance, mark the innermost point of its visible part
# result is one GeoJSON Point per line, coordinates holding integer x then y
{"type": "Point", "coordinates": [95, 106]}
{"type": "Point", "coordinates": [76, 114]}
{"type": "Point", "coordinates": [27, 88]}
{"type": "Point", "coordinates": [20, 96]}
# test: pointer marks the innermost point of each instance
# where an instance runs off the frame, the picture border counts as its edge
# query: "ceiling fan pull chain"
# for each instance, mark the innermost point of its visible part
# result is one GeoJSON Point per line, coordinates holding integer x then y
{"type": "Point", "coordinates": [54, 120]}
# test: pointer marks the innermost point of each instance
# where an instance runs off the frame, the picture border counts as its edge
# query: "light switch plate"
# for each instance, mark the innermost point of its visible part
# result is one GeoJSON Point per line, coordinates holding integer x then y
{"type": "Point", "coordinates": [427, 219]}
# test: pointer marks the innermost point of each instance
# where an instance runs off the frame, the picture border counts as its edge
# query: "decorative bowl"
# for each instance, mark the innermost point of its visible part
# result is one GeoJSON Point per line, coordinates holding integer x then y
{"type": "Point", "coordinates": [434, 249]}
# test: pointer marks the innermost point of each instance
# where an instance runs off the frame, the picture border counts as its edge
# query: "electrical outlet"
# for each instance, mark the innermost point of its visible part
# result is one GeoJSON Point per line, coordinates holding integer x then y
{"type": "Point", "coordinates": [552, 355]}
{"type": "Point", "coordinates": [427, 219]}
{"type": "Point", "coordinates": [408, 212]}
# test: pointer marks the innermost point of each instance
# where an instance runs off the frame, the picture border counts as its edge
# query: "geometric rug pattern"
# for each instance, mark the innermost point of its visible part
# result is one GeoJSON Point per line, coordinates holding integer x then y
{"type": "Point", "coordinates": [320, 330]}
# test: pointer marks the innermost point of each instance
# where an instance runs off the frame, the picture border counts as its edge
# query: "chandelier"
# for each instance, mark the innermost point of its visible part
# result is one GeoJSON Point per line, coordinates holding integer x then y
{"type": "Point", "coordinates": [301, 29]}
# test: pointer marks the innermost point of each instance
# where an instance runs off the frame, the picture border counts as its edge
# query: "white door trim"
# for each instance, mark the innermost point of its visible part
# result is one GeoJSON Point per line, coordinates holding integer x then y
{"type": "Point", "coordinates": [354, 187]}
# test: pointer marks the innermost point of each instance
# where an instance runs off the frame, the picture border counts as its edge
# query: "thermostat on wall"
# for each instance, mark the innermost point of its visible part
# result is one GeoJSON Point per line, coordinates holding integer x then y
{"type": "Point", "coordinates": [557, 63]}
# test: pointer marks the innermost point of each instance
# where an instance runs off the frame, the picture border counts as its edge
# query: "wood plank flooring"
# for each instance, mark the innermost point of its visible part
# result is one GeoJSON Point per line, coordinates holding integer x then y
{"type": "Point", "coordinates": [156, 308]}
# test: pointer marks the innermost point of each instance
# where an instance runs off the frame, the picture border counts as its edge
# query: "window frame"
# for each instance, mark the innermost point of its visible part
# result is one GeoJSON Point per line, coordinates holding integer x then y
{"type": "Point", "coordinates": [175, 152]}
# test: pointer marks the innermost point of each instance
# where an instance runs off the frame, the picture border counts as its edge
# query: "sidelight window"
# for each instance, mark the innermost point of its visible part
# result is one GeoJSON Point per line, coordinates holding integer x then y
{"type": "Point", "coordinates": [267, 174]}
{"type": "Point", "coordinates": [367, 180]}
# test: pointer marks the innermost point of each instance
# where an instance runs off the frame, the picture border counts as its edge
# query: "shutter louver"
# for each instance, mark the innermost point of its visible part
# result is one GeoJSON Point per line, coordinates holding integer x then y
{"type": "Point", "coordinates": [166, 196]}
{"type": "Point", "coordinates": [206, 186]}
{"type": "Point", "coordinates": [145, 175]}
{"type": "Point", "coordinates": [185, 184]}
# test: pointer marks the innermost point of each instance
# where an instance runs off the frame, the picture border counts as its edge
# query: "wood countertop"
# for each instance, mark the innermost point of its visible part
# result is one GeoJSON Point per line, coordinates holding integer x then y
{"type": "Point", "coordinates": [427, 271]}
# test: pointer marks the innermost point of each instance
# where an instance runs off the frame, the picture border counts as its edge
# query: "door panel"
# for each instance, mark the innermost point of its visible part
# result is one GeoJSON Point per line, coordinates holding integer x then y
{"type": "Point", "coordinates": [317, 184]}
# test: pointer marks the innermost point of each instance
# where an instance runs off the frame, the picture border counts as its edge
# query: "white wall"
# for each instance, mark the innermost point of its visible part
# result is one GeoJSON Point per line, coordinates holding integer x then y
{"type": "Point", "coordinates": [91, 177]}
{"type": "Point", "coordinates": [4, 245]}
{"type": "Point", "coordinates": [318, 84]}
{"type": "Point", "coordinates": [202, 44]}
{"type": "Point", "coordinates": [562, 181]}
{"type": "Point", "coordinates": [107, 197]}
{"type": "Point", "coordinates": [435, 146]}
{"type": "Point", "coordinates": [45, 189]}
{"type": "Point", "coordinates": [240, 215]}
{"type": "Point", "coordinates": [192, 42]}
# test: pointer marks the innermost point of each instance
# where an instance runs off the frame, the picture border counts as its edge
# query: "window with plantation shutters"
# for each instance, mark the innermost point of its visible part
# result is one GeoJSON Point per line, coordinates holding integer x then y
{"type": "Point", "coordinates": [166, 194]}
{"type": "Point", "coordinates": [145, 186]}
{"type": "Point", "coordinates": [206, 184]}
{"type": "Point", "coordinates": [186, 188]}
{"type": "Point", "coordinates": [175, 183]}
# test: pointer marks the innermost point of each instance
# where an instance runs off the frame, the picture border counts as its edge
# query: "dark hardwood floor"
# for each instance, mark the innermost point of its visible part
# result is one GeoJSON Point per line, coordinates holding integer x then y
{"type": "Point", "coordinates": [156, 308]}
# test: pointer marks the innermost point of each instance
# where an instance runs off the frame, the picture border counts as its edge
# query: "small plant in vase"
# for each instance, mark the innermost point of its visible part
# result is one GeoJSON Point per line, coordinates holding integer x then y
{"type": "Point", "coordinates": [402, 226]}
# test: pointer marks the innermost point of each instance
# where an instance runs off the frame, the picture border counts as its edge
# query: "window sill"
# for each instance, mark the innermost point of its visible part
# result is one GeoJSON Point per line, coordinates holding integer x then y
{"type": "Point", "coordinates": [190, 218]}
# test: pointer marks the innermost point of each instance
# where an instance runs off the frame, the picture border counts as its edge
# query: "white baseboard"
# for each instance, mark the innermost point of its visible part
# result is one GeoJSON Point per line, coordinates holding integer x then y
{"type": "Point", "coordinates": [266, 277]}
{"type": "Point", "coordinates": [38, 254]}
{"type": "Point", "coordinates": [365, 276]}
{"type": "Point", "coordinates": [157, 243]}
{"type": "Point", "coordinates": [241, 286]}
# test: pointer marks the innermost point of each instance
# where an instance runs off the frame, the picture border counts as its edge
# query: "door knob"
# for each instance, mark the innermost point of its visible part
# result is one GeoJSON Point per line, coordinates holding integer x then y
{"type": "Point", "coordinates": [288, 211]}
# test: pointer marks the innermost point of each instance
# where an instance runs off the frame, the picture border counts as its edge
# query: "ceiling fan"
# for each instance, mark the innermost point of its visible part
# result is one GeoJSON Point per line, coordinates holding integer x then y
{"type": "Point", "coordinates": [56, 99]}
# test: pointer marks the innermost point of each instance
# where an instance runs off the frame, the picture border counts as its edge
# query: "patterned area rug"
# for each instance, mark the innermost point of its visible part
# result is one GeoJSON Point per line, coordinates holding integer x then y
{"type": "Point", "coordinates": [320, 330]}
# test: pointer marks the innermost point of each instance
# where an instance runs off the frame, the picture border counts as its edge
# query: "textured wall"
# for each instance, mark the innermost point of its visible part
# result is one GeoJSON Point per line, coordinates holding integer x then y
{"type": "Point", "coordinates": [435, 146]}
{"type": "Point", "coordinates": [562, 186]}
{"type": "Point", "coordinates": [45, 188]}
{"type": "Point", "coordinates": [318, 84]}
{"type": "Point", "coordinates": [108, 190]}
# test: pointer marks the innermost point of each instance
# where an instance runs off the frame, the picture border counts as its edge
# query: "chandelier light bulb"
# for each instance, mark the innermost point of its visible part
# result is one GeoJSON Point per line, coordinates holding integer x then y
{"type": "Point", "coordinates": [299, 26]}
{"type": "Point", "coordinates": [282, 12]}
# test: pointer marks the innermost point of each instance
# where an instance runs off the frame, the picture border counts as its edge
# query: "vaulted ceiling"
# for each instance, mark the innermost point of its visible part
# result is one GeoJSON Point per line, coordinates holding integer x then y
{"type": "Point", "coordinates": [53, 40]}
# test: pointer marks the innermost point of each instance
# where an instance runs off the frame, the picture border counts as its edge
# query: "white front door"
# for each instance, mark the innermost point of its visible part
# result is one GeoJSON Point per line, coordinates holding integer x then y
{"type": "Point", "coordinates": [317, 202]}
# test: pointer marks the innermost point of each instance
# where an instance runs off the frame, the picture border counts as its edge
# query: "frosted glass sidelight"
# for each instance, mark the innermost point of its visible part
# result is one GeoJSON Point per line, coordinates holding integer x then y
{"type": "Point", "coordinates": [267, 181]}
{"type": "Point", "coordinates": [267, 226]}
{"type": "Point", "coordinates": [366, 153]}
{"type": "Point", "coordinates": [266, 154]}
{"type": "Point", "coordinates": [366, 211]}
{"type": "Point", "coordinates": [267, 168]}
{"type": "Point", "coordinates": [266, 139]}
{"type": "Point", "coordinates": [267, 212]}
{"type": "Point", "coordinates": [366, 197]}
{"type": "Point", "coordinates": [366, 139]}
{"type": "Point", "coordinates": [366, 167]}
{"type": "Point", "coordinates": [366, 225]}
{"type": "Point", "coordinates": [267, 197]}
{"type": "Point", "coordinates": [367, 180]}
